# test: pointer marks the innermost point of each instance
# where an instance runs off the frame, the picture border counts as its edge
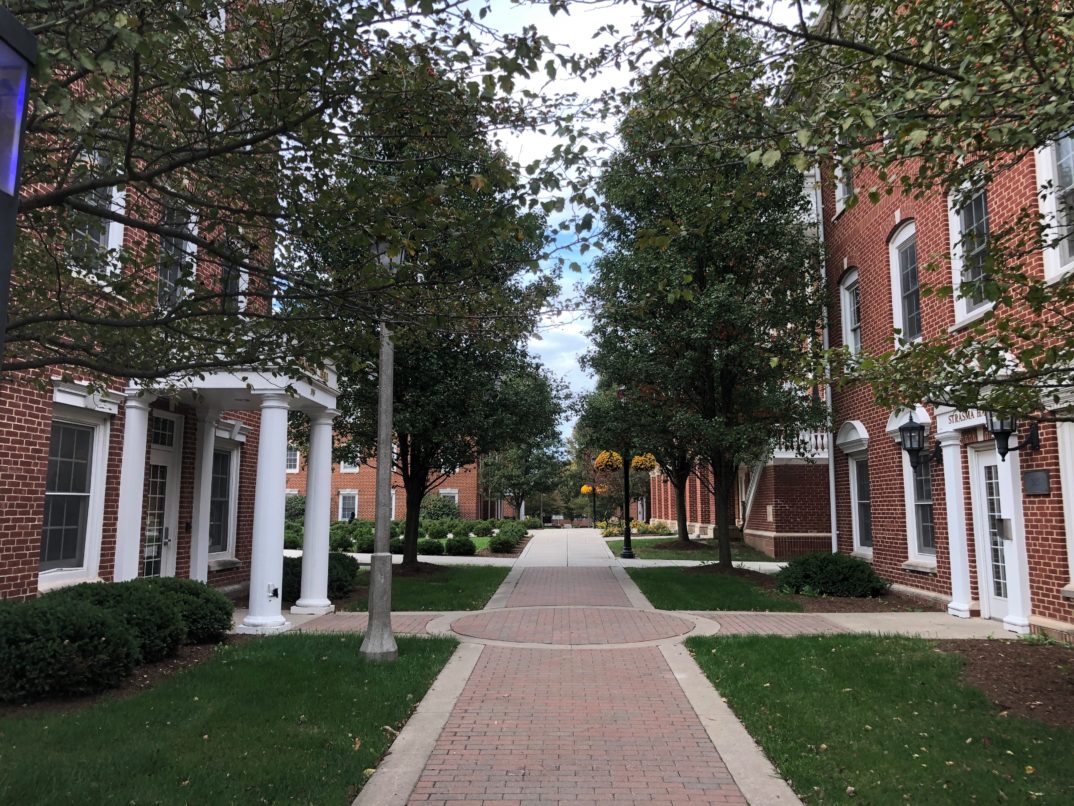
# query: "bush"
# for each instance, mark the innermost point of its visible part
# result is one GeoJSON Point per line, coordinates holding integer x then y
{"type": "Point", "coordinates": [293, 533]}
{"type": "Point", "coordinates": [342, 570]}
{"type": "Point", "coordinates": [152, 616]}
{"type": "Point", "coordinates": [430, 546]}
{"type": "Point", "coordinates": [436, 507]}
{"type": "Point", "coordinates": [466, 528]}
{"type": "Point", "coordinates": [501, 544]}
{"type": "Point", "coordinates": [61, 647]}
{"type": "Point", "coordinates": [533, 523]}
{"type": "Point", "coordinates": [342, 573]}
{"type": "Point", "coordinates": [341, 535]}
{"type": "Point", "coordinates": [437, 530]}
{"type": "Point", "coordinates": [205, 611]}
{"type": "Point", "coordinates": [481, 529]}
{"type": "Point", "coordinates": [397, 528]}
{"type": "Point", "coordinates": [513, 531]}
{"type": "Point", "coordinates": [826, 574]}
{"type": "Point", "coordinates": [364, 543]}
{"type": "Point", "coordinates": [460, 547]}
{"type": "Point", "coordinates": [455, 527]}
{"type": "Point", "coordinates": [294, 507]}
{"type": "Point", "coordinates": [395, 545]}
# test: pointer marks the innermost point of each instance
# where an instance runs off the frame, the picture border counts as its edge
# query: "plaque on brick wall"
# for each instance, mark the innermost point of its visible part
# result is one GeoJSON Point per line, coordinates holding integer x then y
{"type": "Point", "coordinates": [1037, 482]}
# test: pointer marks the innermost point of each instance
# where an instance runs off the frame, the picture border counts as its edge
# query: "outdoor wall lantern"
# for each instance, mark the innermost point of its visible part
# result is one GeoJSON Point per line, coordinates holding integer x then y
{"type": "Point", "coordinates": [912, 437]}
{"type": "Point", "coordinates": [18, 54]}
{"type": "Point", "coordinates": [1002, 428]}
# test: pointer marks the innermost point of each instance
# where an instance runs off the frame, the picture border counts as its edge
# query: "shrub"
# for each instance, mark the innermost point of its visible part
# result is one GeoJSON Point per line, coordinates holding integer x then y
{"type": "Point", "coordinates": [294, 507]}
{"type": "Point", "coordinates": [342, 571]}
{"type": "Point", "coordinates": [501, 544]}
{"type": "Point", "coordinates": [437, 530]}
{"type": "Point", "coordinates": [481, 529]}
{"type": "Point", "coordinates": [61, 647]}
{"type": "Point", "coordinates": [435, 507]}
{"type": "Point", "coordinates": [395, 546]}
{"type": "Point", "coordinates": [513, 531]}
{"type": "Point", "coordinates": [533, 523]}
{"type": "Point", "coordinates": [152, 615]}
{"type": "Point", "coordinates": [460, 547]}
{"type": "Point", "coordinates": [364, 543]}
{"type": "Point", "coordinates": [291, 587]}
{"type": "Point", "coordinates": [455, 527]}
{"type": "Point", "coordinates": [826, 574]}
{"type": "Point", "coordinates": [293, 533]}
{"type": "Point", "coordinates": [397, 528]}
{"type": "Point", "coordinates": [341, 535]}
{"type": "Point", "coordinates": [205, 611]}
{"type": "Point", "coordinates": [430, 546]}
{"type": "Point", "coordinates": [466, 528]}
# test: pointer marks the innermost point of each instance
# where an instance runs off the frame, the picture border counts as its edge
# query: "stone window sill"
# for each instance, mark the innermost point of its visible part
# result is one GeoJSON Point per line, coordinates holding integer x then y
{"type": "Point", "coordinates": [1067, 591]}
{"type": "Point", "coordinates": [920, 566]}
{"type": "Point", "coordinates": [223, 564]}
{"type": "Point", "coordinates": [862, 554]}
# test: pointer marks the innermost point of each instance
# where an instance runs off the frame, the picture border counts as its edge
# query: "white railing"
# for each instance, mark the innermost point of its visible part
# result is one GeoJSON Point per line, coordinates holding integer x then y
{"type": "Point", "coordinates": [810, 445]}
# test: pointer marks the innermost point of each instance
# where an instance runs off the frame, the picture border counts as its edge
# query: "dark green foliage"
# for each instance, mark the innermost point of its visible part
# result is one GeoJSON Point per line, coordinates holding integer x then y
{"type": "Point", "coordinates": [457, 527]}
{"type": "Point", "coordinates": [437, 530]}
{"type": "Point", "coordinates": [395, 546]}
{"type": "Point", "coordinates": [460, 547]}
{"type": "Point", "coordinates": [466, 528]}
{"type": "Point", "coordinates": [342, 571]}
{"type": "Point", "coordinates": [513, 531]}
{"type": "Point", "coordinates": [293, 534]}
{"type": "Point", "coordinates": [152, 616]}
{"type": "Point", "coordinates": [501, 544]}
{"type": "Point", "coordinates": [824, 574]}
{"type": "Point", "coordinates": [397, 528]}
{"type": "Point", "coordinates": [341, 535]}
{"type": "Point", "coordinates": [438, 507]}
{"type": "Point", "coordinates": [364, 543]}
{"type": "Point", "coordinates": [429, 545]}
{"type": "Point", "coordinates": [481, 528]}
{"type": "Point", "coordinates": [205, 611]}
{"type": "Point", "coordinates": [294, 507]}
{"type": "Point", "coordinates": [533, 523]}
{"type": "Point", "coordinates": [292, 579]}
{"type": "Point", "coordinates": [61, 646]}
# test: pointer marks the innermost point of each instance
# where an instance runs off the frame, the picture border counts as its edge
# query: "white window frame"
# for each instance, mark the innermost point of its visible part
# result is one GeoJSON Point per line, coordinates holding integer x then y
{"type": "Point", "coordinates": [1065, 440]}
{"type": "Point", "coordinates": [393, 504]}
{"type": "Point", "coordinates": [339, 504]}
{"type": "Point", "coordinates": [847, 286]}
{"type": "Point", "coordinates": [188, 247]}
{"type": "Point", "coordinates": [347, 467]}
{"type": "Point", "coordinates": [924, 560]}
{"type": "Point", "coordinates": [234, 448]}
{"type": "Point", "coordinates": [1047, 178]}
{"type": "Point", "coordinates": [298, 459]}
{"type": "Point", "coordinates": [91, 556]}
{"type": "Point", "coordinates": [114, 230]}
{"type": "Point", "coordinates": [844, 189]}
{"type": "Point", "coordinates": [903, 234]}
{"type": "Point", "coordinates": [449, 492]}
{"type": "Point", "coordinates": [963, 311]}
{"type": "Point", "coordinates": [853, 460]}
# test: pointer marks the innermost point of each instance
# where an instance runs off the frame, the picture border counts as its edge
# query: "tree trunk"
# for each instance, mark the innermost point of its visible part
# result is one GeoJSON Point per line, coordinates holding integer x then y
{"type": "Point", "coordinates": [723, 485]}
{"type": "Point", "coordinates": [415, 492]}
{"type": "Point", "coordinates": [680, 512]}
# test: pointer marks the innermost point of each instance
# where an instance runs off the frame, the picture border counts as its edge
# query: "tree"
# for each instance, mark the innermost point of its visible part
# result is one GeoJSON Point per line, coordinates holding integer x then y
{"type": "Point", "coordinates": [211, 127]}
{"type": "Point", "coordinates": [722, 280]}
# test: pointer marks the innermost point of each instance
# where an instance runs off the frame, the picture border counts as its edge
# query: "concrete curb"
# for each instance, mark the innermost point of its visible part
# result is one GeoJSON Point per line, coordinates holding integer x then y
{"type": "Point", "coordinates": [400, 770]}
{"type": "Point", "coordinates": [633, 592]}
{"type": "Point", "coordinates": [507, 587]}
{"type": "Point", "coordinates": [751, 770]}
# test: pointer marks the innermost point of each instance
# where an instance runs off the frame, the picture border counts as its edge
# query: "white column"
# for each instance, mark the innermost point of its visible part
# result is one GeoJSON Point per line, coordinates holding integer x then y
{"type": "Point", "coordinates": [131, 486]}
{"type": "Point", "coordinates": [314, 599]}
{"type": "Point", "coordinates": [203, 479]}
{"type": "Point", "coordinates": [951, 446]}
{"type": "Point", "coordinates": [266, 565]}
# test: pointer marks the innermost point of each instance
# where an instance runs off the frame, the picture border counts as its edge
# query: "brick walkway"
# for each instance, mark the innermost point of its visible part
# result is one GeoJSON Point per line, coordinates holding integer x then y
{"type": "Point", "coordinates": [568, 586]}
{"type": "Point", "coordinates": [574, 726]}
{"type": "Point", "coordinates": [748, 623]}
{"type": "Point", "coordinates": [571, 626]}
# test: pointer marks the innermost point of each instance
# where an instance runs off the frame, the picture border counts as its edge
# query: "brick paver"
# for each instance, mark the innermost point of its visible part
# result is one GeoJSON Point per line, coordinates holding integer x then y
{"type": "Point", "coordinates": [412, 624]}
{"type": "Point", "coordinates": [571, 626]}
{"type": "Point", "coordinates": [568, 586]}
{"type": "Point", "coordinates": [574, 726]}
{"type": "Point", "coordinates": [746, 623]}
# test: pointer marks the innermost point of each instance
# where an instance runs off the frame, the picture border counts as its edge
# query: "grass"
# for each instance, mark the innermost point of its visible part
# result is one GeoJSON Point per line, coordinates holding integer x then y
{"type": "Point", "coordinates": [886, 716]}
{"type": "Point", "coordinates": [295, 718]}
{"type": "Point", "coordinates": [687, 589]}
{"type": "Point", "coordinates": [645, 549]}
{"type": "Point", "coordinates": [450, 587]}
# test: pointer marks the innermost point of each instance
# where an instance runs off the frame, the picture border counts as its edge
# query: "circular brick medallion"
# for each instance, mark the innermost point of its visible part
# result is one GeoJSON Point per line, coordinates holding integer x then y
{"type": "Point", "coordinates": [571, 625]}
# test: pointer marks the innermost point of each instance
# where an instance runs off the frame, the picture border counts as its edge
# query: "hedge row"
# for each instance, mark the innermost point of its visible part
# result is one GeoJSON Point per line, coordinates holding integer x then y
{"type": "Point", "coordinates": [87, 638]}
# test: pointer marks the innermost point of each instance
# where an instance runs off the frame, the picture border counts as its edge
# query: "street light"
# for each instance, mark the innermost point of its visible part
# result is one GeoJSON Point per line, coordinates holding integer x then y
{"type": "Point", "coordinates": [1003, 427]}
{"type": "Point", "coordinates": [18, 53]}
{"type": "Point", "coordinates": [379, 643]}
{"type": "Point", "coordinates": [628, 550]}
{"type": "Point", "coordinates": [912, 437]}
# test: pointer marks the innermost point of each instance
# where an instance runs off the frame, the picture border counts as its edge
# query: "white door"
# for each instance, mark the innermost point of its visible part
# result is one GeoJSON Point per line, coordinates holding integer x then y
{"type": "Point", "coordinates": [161, 536]}
{"type": "Point", "coordinates": [992, 533]}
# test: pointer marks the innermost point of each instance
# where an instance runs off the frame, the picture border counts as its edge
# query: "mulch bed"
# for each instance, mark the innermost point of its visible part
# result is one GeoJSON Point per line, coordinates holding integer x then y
{"type": "Point", "coordinates": [888, 603]}
{"type": "Point", "coordinates": [144, 677]}
{"type": "Point", "coordinates": [518, 549]}
{"type": "Point", "coordinates": [1031, 680]}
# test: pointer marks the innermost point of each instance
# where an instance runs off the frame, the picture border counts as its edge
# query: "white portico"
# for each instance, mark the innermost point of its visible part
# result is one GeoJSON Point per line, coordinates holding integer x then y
{"type": "Point", "coordinates": [146, 519]}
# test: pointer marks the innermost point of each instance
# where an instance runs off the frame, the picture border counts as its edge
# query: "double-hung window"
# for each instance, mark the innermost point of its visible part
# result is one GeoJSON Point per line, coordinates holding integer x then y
{"type": "Point", "coordinates": [844, 186]}
{"type": "Point", "coordinates": [1055, 175]}
{"type": "Point", "coordinates": [862, 502]}
{"type": "Point", "coordinates": [292, 459]}
{"type": "Point", "coordinates": [850, 293]}
{"type": "Point", "coordinates": [905, 288]}
{"type": "Point", "coordinates": [925, 534]}
{"type": "Point", "coordinates": [348, 504]}
{"type": "Point", "coordinates": [93, 240]}
{"type": "Point", "coordinates": [969, 253]}
{"type": "Point", "coordinates": [175, 265]}
{"type": "Point", "coordinates": [223, 489]}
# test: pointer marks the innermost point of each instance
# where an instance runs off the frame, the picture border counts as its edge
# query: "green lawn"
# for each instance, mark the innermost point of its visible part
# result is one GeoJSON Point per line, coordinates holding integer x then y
{"type": "Point", "coordinates": [688, 589]}
{"type": "Point", "coordinates": [886, 716]}
{"type": "Point", "coordinates": [644, 550]}
{"type": "Point", "coordinates": [295, 718]}
{"type": "Point", "coordinates": [451, 587]}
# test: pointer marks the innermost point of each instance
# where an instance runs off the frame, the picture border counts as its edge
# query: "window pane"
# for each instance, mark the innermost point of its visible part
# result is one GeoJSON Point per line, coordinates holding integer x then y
{"type": "Point", "coordinates": [67, 487]}
{"type": "Point", "coordinates": [348, 506]}
{"type": "Point", "coordinates": [926, 540]}
{"type": "Point", "coordinates": [863, 503]}
{"type": "Point", "coordinates": [911, 293]}
{"type": "Point", "coordinates": [974, 236]}
{"type": "Point", "coordinates": [292, 459]}
{"type": "Point", "coordinates": [230, 286]}
{"type": "Point", "coordinates": [220, 502]}
{"type": "Point", "coordinates": [175, 259]}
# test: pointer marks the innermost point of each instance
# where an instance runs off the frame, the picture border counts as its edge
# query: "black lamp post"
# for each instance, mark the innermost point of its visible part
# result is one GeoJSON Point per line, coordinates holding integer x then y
{"type": "Point", "coordinates": [1002, 427]}
{"type": "Point", "coordinates": [912, 438]}
{"type": "Point", "coordinates": [18, 53]}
